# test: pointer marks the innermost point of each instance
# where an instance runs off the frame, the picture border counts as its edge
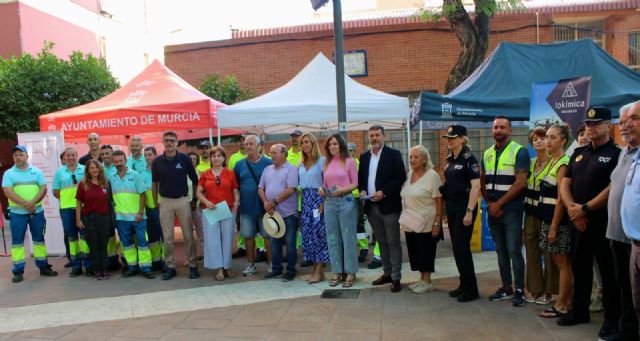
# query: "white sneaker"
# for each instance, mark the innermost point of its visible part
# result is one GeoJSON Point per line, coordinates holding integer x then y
{"type": "Point", "coordinates": [423, 287]}
{"type": "Point", "coordinates": [250, 270]}
{"type": "Point", "coordinates": [596, 304]}
{"type": "Point", "coordinates": [416, 284]}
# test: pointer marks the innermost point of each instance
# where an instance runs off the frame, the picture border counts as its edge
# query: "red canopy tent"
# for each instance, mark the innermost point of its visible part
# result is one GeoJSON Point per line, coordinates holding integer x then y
{"type": "Point", "coordinates": [154, 101]}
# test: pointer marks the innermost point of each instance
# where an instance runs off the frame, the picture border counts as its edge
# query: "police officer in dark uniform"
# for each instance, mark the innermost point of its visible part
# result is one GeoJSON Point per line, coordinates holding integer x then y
{"type": "Point", "coordinates": [461, 192]}
{"type": "Point", "coordinates": [585, 190]}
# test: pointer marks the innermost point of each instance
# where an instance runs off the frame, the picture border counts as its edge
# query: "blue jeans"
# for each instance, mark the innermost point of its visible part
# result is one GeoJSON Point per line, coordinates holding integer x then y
{"type": "Point", "coordinates": [506, 232]}
{"type": "Point", "coordinates": [341, 220]}
{"type": "Point", "coordinates": [78, 247]}
{"type": "Point", "coordinates": [291, 222]}
{"type": "Point", "coordinates": [140, 257]}
{"type": "Point", "coordinates": [18, 223]}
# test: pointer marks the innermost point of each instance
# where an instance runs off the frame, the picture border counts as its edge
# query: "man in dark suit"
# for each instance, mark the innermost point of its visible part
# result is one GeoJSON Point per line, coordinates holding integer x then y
{"type": "Point", "coordinates": [380, 178]}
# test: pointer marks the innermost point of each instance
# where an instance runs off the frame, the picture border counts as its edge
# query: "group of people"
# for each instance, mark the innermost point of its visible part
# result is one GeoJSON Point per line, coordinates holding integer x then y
{"type": "Point", "coordinates": [568, 210]}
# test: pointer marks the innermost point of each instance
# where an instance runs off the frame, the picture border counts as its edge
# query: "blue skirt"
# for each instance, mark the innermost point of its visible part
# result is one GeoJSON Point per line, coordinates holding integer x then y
{"type": "Point", "coordinates": [314, 237]}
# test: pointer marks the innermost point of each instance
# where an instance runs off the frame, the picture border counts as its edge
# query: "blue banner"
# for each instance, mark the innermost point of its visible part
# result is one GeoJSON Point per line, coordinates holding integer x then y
{"type": "Point", "coordinates": [566, 100]}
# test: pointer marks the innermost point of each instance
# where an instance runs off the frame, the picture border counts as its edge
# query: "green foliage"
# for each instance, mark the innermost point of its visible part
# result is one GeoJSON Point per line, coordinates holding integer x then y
{"type": "Point", "coordinates": [225, 90]}
{"type": "Point", "coordinates": [34, 85]}
{"type": "Point", "coordinates": [488, 8]}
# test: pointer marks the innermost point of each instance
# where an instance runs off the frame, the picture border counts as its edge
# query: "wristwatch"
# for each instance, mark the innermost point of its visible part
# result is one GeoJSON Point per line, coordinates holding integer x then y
{"type": "Point", "coordinates": [274, 202]}
{"type": "Point", "coordinates": [585, 208]}
{"type": "Point", "coordinates": [469, 210]}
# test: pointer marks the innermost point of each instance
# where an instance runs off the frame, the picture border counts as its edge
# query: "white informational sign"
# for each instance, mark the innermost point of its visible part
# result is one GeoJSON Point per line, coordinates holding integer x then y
{"type": "Point", "coordinates": [44, 150]}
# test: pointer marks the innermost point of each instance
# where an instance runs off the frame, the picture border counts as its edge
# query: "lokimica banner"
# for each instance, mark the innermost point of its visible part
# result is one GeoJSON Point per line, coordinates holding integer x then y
{"type": "Point", "coordinates": [565, 100]}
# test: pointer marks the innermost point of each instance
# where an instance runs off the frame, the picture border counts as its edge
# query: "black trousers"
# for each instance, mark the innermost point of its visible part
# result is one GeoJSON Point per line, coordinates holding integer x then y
{"type": "Point", "coordinates": [592, 242]}
{"type": "Point", "coordinates": [461, 241]}
{"type": "Point", "coordinates": [621, 253]}
{"type": "Point", "coordinates": [421, 248]}
{"type": "Point", "coordinates": [97, 232]}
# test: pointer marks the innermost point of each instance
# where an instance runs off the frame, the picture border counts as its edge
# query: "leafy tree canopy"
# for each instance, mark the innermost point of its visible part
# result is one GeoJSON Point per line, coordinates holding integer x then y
{"type": "Point", "coordinates": [225, 90]}
{"type": "Point", "coordinates": [31, 86]}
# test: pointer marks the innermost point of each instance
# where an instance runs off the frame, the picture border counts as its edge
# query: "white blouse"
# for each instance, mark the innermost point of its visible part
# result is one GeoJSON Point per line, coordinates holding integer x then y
{"type": "Point", "coordinates": [420, 196]}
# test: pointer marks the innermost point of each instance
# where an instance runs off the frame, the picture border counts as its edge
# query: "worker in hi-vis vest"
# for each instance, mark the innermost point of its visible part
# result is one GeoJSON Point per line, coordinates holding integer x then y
{"type": "Point", "coordinates": [25, 186]}
{"type": "Point", "coordinates": [65, 186]}
{"type": "Point", "coordinates": [154, 229]}
{"type": "Point", "coordinates": [128, 192]}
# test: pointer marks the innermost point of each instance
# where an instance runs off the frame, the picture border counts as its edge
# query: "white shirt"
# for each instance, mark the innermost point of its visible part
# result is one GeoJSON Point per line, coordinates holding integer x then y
{"type": "Point", "coordinates": [373, 169]}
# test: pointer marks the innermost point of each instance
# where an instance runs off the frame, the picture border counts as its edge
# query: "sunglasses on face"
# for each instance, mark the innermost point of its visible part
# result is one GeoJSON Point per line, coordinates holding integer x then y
{"type": "Point", "coordinates": [170, 140]}
{"type": "Point", "coordinates": [74, 179]}
{"type": "Point", "coordinates": [218, 180]}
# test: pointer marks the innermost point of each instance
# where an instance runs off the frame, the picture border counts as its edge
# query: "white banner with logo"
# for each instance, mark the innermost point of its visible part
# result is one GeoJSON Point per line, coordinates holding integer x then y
{"type": "Point", "coordinates": [44, 150]}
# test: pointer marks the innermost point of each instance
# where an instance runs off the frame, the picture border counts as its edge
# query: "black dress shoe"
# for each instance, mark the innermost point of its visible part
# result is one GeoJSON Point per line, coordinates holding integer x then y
{"type": "Point", "coordinates": [47, 271]}
{"type": "Point", "coordinates": [375, 263]}
{"type": "Point", "coordinates": [168, 274]}
{"type": "Point", "coordinates": [467, 296]}
{"type": "Point", "coordinates": [382, 280]}
{"type": "Point", "coordinates": [129, 273]}
{"type": "Point", "coordinates": [395, 286]}
{"type": "Point", "coordinates": [89, 272]}
{"type": "Point", "coordinates": [571, 319]}
{"type": "Point", "coordinates": [75, 273]}
{"type": "Point", "coordinates": [239, 253]}
{"type": "Point", "coordinates": [67, 264]}
{"type": "Point", "coordinates": [363, 255]}
{"type": "Point", "coordinates": [607, 329]}
{"type": "Point", "coordinates": [456, 292]}
{"type": "Point", "coordinates": [148, 275]}
{"type": "Point", "coordinates": [17, 277]}
{"type": "Point", "coordinates": [193, 273]}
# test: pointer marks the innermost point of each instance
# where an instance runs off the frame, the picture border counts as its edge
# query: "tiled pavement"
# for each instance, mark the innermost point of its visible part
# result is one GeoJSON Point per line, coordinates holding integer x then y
{"type": "Point", "coordinates": [249, 308]}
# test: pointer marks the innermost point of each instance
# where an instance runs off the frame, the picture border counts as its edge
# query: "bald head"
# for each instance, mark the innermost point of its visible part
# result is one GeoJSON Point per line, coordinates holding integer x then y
{"type": "Point", "coordinates": [93, 140]}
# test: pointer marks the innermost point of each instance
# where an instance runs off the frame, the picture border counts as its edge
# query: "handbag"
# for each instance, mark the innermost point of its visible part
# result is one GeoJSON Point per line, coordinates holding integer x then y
{"type": "Point", "coordinates": [412, 221]}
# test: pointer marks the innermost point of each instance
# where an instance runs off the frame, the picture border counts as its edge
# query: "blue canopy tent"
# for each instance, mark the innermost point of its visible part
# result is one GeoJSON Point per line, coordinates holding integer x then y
{"type": "Point", "coordinates": [502, 83]}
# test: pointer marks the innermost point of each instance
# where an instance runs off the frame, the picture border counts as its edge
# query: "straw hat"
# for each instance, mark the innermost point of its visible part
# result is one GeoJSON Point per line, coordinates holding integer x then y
{"type": "Point", "coordinates": [274, 225]}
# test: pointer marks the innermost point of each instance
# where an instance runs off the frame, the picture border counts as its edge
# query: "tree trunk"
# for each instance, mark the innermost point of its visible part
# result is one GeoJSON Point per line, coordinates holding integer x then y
{"type": "Point", "coordinates": [473, 37]}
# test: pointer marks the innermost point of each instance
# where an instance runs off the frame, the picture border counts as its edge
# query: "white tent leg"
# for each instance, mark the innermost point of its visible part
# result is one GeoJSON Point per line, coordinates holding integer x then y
{"type": "Point", "coordinates": [211, 136]}
{"type": "Point", "coordinates": [408, 139]}
{"type": "Point", "coordinates": [420, 136]}
{"type": "Point", "coordinates": [219, 138]}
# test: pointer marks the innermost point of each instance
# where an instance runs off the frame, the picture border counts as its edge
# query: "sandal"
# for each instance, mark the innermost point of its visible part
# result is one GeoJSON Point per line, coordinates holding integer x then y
{"type": "Point", "coordinates": [335, 280]}
{"type": "Point", "coordinates": [544, 300]}
{"type": "Point", "coordinates": [551, 313]}
{"type": "Point", "coordinates": [219, 276]}
{"type": "Point", "coordinates": [348, 283]}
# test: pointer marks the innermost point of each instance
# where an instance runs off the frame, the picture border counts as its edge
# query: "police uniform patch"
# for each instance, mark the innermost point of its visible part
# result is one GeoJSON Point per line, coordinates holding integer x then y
{"type": "Point", "coordinates": [450, 130]}
{"type": "Point", "coordinates": [591, 113]}
{"type": "Point", "coordinates": [578, 158]}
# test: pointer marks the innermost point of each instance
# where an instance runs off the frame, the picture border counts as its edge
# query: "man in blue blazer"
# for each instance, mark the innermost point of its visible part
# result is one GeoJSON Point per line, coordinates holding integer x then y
{"type": "Point", "coordinates": [380, 179]}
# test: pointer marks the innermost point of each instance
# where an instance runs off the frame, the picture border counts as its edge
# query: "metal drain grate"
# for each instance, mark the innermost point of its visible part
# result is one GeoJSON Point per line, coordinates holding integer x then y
{"type": "Point", "coordinates": [341, 293]}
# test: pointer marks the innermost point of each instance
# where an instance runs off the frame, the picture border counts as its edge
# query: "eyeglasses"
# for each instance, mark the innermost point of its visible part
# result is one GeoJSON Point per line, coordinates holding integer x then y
{"type": "Point", "coordinates": [218, 180]}
{"type": "Point", "coordinates": [74, 179]}
{"type": "Point", "coordinates": [170, 140]}
{"type": "Point", "coordinates": [351, 150]}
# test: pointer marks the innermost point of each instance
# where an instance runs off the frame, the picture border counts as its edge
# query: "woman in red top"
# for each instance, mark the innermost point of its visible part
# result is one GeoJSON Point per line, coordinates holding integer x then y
{"type": "Point", "coordinates": [92, 215]}
{"type": "Point", "coordinates": [218, 185]}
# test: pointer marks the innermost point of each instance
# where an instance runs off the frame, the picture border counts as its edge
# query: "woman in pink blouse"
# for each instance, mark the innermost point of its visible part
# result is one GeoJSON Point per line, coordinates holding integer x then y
{"type": "Point", "coordinates": [340, 178]}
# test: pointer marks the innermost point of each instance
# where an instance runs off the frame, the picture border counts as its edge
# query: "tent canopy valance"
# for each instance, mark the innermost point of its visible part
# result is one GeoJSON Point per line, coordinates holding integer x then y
{"type": "Point", "coordinates": [308, 101]}
{"type": "Point", "coordinates": [154, 101]}
{"type": "Point", "coordinates": [502, 83]}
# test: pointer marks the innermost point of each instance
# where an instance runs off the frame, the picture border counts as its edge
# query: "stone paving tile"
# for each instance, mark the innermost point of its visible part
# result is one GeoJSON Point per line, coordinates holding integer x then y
{"type": "Point", "coordinates": [145, 330]}
{"type": "Point", "coordinates": [48, 333]}
{"type": "Point", "coordinates": [303, 323]}
{"type": "Point", "coordinates": [202, 322]}
{"type": "Point", "coordinates": [250, 332]}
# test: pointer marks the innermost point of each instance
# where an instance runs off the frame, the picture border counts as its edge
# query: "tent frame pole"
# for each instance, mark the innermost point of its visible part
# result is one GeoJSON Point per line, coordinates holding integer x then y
{"type": "Point", "coordinates": [408, 127]}
{"type": "Point", "coordinates": [420, 136]}
{"type": "Point", "coordinates": [219, 137]}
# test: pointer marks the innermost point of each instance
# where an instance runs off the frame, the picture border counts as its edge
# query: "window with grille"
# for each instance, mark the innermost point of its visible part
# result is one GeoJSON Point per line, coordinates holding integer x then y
{"type": "Point", "coordinates": [634, 51]}
{"type": "Point", "coordinates": [568, 31]}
